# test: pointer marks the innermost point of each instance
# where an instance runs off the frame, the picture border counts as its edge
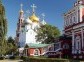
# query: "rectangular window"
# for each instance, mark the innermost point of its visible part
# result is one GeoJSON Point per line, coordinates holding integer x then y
{"type": "Point", "coordinates": [74, 19]}
{"type": "Point", "coordinates": [65, 21]}
{"type": "Point", "coordinates": [78, 15]}
{"type": "Point", "coordinates": [56, 46]}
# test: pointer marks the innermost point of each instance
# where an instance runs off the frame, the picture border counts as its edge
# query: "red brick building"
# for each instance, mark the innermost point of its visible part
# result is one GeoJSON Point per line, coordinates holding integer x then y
{"type": "Point", "coordinates": [36, 49]}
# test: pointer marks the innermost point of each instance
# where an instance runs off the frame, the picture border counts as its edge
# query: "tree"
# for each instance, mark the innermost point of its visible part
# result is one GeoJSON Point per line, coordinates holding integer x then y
{"type": "Point", "coordinates": [12, 48]}
{"type": "Point", "coordinates": [11, 40]}
{"type": "Point", "coordinates": [3, 30]}
{"type": "Point", "coordinates": [26, 46]}
{"type": "Point", "coordinates": [47, 34]}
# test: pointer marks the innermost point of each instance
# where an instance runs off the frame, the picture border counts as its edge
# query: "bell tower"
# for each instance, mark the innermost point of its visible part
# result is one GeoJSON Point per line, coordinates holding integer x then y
{"type": "Point", "coordinates": [20, 23]}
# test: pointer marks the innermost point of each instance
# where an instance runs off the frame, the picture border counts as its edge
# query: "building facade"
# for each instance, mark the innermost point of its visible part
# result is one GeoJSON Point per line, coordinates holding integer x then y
{"type": "Point", "coordinates": [71, 44]}
{"type": "Point", "coordinates": [34, 50]}
{"type": "Point", "coordinates": [26, 33]}
{"type": "Point", "coordinates": [27, 27]}
{"type": "Point", "coordinates": [74, 27]}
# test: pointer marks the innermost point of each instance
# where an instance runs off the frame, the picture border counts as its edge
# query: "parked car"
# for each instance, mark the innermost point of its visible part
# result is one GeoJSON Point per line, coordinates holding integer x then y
{"type": "Point", "coordinates": [8, 56]}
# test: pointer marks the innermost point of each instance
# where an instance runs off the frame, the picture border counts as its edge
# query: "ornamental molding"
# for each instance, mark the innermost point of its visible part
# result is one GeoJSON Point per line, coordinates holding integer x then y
{"type": "Point", "coordinates": [78, 26]}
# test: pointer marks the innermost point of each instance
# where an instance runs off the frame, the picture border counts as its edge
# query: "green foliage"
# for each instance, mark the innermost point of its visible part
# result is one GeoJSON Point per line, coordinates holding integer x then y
{"type": "Point", "coordinates": [14, 57]}
{"type": "Point", "coordinates": [26, 46]}
{"type": "Point", "coordinates": [3, 30]}
{"type": "Point", "coordinates": [31, 59]}
{"type": "Point", "coordinates": [48, 34]}
{"type": "Point", "coordinates": [11, 40]}
{"type": "Point", "coordinates": [3, 47]}
{"type": "Point", "coordinates": [1, 58]}
{"type": "Point", "coordinates": [12, 48]}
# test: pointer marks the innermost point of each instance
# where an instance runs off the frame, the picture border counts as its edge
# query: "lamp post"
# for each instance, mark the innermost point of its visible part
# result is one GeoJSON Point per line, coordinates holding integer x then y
{"type": "Point", "coordinates": [60, 54]}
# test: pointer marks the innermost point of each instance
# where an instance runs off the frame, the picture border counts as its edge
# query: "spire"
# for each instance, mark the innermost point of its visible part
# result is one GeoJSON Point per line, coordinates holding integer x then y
{"type": "Point", "coordinates": [28, 12]}
{"type": "Point", "coordinates": [33, 18]}
{"type": "Point", "coordinates": [33, 8]}
{"type": "Point", "coordinates": [43, 15]}
{"type": "Point", "coordinates": [43, 22]}
{"type": "Point", "coordinates": [21, 10]}
{"type": "Point", "coordinates": [21, 16]}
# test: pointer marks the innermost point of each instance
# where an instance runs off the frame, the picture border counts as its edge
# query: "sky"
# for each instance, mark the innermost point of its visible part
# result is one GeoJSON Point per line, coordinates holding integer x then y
{"type": "Point", "coordinates": [53, 10]}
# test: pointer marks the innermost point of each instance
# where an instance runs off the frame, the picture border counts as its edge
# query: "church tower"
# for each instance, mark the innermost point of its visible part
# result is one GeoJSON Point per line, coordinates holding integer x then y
{"type": "Point", "coordinates": [43, 21]}
{"type": "Point", "coordinates": [20, 23]}
{"type": "Point", "coordinates": [29, 29]}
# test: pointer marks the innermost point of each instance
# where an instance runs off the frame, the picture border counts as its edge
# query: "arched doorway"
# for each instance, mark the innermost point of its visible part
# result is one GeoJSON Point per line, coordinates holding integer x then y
{"type": "Point", "coordinates": [36, 52]}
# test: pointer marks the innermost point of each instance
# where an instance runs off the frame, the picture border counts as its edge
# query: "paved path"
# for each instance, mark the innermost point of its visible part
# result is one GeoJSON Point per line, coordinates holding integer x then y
{"type": "Point", "coordinates": [11, 61]}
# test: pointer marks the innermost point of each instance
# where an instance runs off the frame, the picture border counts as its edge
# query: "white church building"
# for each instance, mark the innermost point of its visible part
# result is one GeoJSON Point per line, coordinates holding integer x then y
{"type": "Point", "coordinates": [26, 32]}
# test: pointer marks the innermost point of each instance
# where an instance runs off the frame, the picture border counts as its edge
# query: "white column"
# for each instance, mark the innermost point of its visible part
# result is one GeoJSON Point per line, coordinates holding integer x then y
{"type": "Point", "coordinates": [80, 13]}
{"type": "Point", "coordinates": [72, 41]}
{"type": "Point", "coordinates": [64, 24]}
{"type": "Point", "coordinates": [82, 37]}
{"type": "Point", "coordinates": [64, 21]}
{"type": "Point", "coordinates": [77, 14]}
{"type": "Point", "coordinates": [26, 52]}
{"type": "Point", "coordinates": [68, 20]}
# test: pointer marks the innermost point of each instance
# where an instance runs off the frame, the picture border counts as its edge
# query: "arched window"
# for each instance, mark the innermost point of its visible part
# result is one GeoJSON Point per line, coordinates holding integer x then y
{"type": "Point", "coordinates": [74, 19]}
{"type": "Point", "coordinates": [78, 44]}
{"type": "Point", "coordinates": [66, 46]}
{"type": "Point", "coordinates": [36, 52]}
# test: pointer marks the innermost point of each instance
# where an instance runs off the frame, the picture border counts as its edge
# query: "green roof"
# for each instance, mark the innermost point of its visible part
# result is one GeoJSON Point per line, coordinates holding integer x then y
{"type": "Point", "coordinates": [31, 45]}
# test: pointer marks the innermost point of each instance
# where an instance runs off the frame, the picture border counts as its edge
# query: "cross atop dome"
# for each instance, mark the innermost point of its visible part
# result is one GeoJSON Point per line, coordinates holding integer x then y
{"type": "Point", "coordinates": [43, 15]}
{"type": "Point", "coordinates": [43, 21]}
{"type": "Point", "coordinates": [28, 12]}
{"type": "Point", "coordinates": [33, 8]}
{"type": "Point", "coordinates": [21, 6]}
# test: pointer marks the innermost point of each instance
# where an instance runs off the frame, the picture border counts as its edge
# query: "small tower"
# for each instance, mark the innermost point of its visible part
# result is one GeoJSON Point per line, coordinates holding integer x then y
{"type": "Point", "coordinates": [79, 2]}
{"type": "Point", "coordinates": [43, 21]}
{"type": "Point", "coordinates": [20, 23]}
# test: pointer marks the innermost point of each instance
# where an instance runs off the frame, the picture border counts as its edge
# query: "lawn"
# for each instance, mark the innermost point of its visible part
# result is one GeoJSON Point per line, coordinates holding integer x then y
{"type": "Point", "coordinates": [10, 60]}
{"type": "Point", "coordinates": [43, 59]}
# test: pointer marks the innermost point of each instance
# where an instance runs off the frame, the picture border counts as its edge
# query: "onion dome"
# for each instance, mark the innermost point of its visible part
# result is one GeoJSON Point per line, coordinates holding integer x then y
{"type": "Point", "coordinates": [28, 21]}
{"type": "Point", "coordinates": [21, 11]}
{"type": "Point", "coordinates": [43, 22]}
{"type": "Point", "coordinates": [34, 18]}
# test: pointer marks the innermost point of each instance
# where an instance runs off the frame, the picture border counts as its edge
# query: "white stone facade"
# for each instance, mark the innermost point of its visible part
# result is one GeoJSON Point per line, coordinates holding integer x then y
{"type": "Point", "coordinates": [28, 28]}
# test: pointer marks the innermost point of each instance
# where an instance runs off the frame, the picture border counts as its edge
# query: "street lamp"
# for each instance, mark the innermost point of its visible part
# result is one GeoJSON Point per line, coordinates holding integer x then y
{"type": "Point", "coordinates": [60, 54]}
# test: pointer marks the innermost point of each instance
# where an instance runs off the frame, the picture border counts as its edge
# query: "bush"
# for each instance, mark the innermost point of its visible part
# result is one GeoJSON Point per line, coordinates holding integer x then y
{"type": "Point", "coordinates": [1, 58]}
{"type": "Point", "coordinates": [17, 57]}
{"type": "Point", "coordinates": [12, 57]}
{"type": "Point", "coordinates": [25, 58]}
{"type": "Point", "coordinates": [32, 59]}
